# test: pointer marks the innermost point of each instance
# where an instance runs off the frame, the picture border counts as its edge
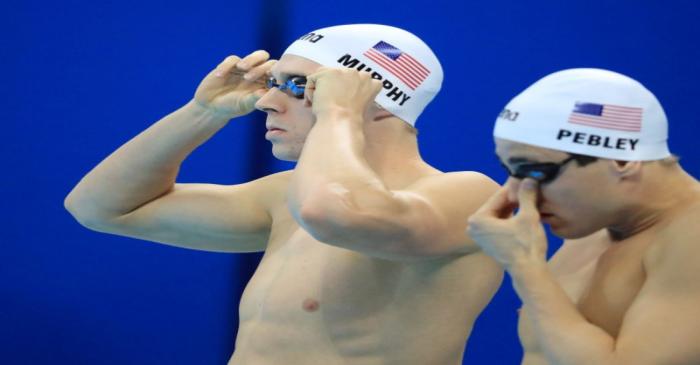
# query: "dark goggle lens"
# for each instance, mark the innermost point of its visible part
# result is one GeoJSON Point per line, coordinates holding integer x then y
{"type": "Point", "coordinates": [540, 172]}
{"type": "Point", "coordinates": [294, 86]}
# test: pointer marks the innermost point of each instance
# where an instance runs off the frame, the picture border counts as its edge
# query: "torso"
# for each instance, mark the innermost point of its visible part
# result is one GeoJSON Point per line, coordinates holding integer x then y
{"type": "Point", "coordinates": [312, 303]}
{"type": "Point", "coordinates": [604, 277]}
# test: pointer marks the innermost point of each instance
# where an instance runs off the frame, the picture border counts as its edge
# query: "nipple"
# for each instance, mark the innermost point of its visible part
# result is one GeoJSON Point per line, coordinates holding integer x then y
{"type": "Point", "coordinates": [310, 305]}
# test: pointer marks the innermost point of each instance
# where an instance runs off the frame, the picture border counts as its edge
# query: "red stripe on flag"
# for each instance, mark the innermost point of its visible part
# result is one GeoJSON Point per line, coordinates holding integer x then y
{"type": "Point", "coordinates": [418, 64]}
{"type": "Point", "coordinates": [605, 125]}
{"type": "Point", "coordinates": [407, 62]}
{"type": "Point", "coordinates": [404, 71]}
{"type": "Point", "coordinates": [410, 68]}
{"type": "Point", "coordinates": [384, 62]}
{"type": "Point", "coordinates": [392, 69]}
{"type": "Point", "coordinates": [607, 120]}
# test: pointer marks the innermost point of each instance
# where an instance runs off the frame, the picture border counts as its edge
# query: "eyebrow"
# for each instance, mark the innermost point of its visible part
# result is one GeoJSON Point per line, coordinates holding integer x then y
{"type": "Point", "coordinates": [516, 160]}
{"type": "Point", "coordinates": [287, 75]}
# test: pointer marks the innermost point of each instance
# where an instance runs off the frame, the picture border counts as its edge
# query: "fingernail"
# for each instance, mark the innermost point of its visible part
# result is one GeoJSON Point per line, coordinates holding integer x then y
{"type": "Point", "coordinates": [248, 76]}
{"type": "Point", "coordinates": [218, 73]}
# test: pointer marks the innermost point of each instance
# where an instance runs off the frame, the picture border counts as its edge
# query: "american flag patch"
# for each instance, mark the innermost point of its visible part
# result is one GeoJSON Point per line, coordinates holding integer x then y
{"type": "Point", "coordinates": [398, 63]}
{"type": "Point", "coordinates": [621, 118]}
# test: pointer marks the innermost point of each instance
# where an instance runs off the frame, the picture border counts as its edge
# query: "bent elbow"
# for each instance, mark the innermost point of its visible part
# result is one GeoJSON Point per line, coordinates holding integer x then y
{"type": "Point", "coordinates": [75, 209]}
{"type": "Point", "coordinates": [85, 216]}
{"type": "Point", "coordinates": [331, 215]}
{"type": "Point", "coordinates": [320, 221]}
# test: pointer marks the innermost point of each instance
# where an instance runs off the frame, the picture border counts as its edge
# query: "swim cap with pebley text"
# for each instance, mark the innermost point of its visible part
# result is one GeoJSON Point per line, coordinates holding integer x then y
{"type": "Point", "coordinates": [588, 111]}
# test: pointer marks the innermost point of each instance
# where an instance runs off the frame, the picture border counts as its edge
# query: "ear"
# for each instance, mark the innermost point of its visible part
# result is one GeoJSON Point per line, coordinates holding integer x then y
{"type": "Point", "coordinates": [378, 113]}
{"type": "Point", "coordinates": [381, 114]}
{"type": "Point", "coordinates": [626, 170]}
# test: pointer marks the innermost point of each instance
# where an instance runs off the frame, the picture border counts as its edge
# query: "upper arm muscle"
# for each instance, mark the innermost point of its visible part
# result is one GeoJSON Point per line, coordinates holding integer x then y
{"type": "Point", "coordinates": [208, 217]}
{"type": "Point", "coordinates": [663, 324]}
{"type": "Point", "coordinates": [425, 220]}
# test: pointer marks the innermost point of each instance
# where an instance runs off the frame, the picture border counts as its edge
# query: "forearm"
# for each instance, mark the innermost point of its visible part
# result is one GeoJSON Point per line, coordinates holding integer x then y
{"type": "Point", "coordinates": [333, 166]}
{"type": "Point", "coordinates": [145, 167]}
{"type": "Point", "coordinates": [566, 337]}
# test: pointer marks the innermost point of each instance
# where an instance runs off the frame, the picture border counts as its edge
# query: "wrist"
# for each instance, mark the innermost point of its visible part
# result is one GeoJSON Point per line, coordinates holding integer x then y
{"type": "Point", "coordinates": [339, 113]}
{"type": "Point", "coordinates": [201, 110]}
{"type": "Point", "coordinates": [526, 266]}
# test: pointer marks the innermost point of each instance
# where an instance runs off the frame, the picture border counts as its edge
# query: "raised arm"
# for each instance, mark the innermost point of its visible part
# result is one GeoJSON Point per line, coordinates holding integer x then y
{"type": "Point", "coordinates": [662, 325]}
{"type": "Point", "coordinates": [133, 191]}
{"type": "Point", "coordinates": [338, 198]}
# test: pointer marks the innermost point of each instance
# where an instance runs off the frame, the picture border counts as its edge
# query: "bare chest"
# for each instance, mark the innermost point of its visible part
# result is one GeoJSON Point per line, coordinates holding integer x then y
{"type": "Point", "coordinates": [612, 287]}
{"type": "Point", "coordinates": [307, 294]}
{"type": "Point", "coordinates": [298, 269]}
{"type": "Point", "coordinates": [603, 280]}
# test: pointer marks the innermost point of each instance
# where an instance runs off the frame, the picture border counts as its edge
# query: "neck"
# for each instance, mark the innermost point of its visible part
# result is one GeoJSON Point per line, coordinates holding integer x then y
{"type": "Point", "coordinates": [391, 150]}
{"type": "Point", "coordinates": [660, 195]}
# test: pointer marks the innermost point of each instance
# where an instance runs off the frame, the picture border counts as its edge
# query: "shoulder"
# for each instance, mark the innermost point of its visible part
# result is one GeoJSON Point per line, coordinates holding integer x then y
{"type": "Point", "coordinates": [454, 196]}
{"type": "Point", "coordinates": [464, 184]}
{"type": "Point", "coordinates": [457, 192]}
{"type": "Point", "coordinates": [676, 250]}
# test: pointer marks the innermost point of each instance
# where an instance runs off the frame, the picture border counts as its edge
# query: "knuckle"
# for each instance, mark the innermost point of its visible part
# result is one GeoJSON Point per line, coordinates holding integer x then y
{"type": "Point", "coordinates": [231, 58]}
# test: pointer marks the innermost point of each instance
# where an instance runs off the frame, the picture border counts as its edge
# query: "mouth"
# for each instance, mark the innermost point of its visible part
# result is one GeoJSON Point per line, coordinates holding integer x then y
{"type": "Point", "coordinates": [273, 131]}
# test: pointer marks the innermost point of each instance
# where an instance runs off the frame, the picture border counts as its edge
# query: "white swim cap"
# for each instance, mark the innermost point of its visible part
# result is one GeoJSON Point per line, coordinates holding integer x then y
{"type": "Point", "coordinates": [410, 72]}
{"type": "Point", "coordinates": [590, 112]}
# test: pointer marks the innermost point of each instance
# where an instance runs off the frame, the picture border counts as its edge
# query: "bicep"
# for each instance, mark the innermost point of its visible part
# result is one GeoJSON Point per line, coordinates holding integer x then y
{"type": "Point", "coordinates": [449, 205]}
{"type": "Point", "coordinates": [423, 221]}
{"type": "Point", "coordinates": [201, 216]}
{"type": "Point", "coordinates": [663, 324]}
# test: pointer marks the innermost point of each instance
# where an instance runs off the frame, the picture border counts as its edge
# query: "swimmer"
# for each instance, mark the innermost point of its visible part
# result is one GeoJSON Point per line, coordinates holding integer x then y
{"type": "Point", "coordinates": [587, 154]}
{"type": "Point", "coordinates": [366, 261]}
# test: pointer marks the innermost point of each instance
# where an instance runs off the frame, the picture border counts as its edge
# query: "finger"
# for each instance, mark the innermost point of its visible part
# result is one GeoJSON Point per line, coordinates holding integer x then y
{"type": "Point", "coordinates": [252, 60]}
{"type": "Point", "coordinates": [527, 199]}
{"type": "Point", "coordinates": [497, 206]}
{"type": "Point", "coordinates": [309, 89]}
{"type": "Point", "coordinates": [259, 93]}
{"type": "Point", "coordinates": [225, 67]}
{"type": "Point", "coordinates": [258, 73]}
{"type": "Point", "coordinates": [320, 72]}
{"type": "Point", "coordinates": [376, 86]}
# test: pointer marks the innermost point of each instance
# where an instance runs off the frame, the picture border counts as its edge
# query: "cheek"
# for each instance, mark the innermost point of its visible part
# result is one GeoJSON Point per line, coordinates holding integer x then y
{"type": "Point", "coordinates": [574, 203]}
{"type": "Point", "coordinates": [302, 121]}
{"type": "Point", "coordinates": [559, 196]}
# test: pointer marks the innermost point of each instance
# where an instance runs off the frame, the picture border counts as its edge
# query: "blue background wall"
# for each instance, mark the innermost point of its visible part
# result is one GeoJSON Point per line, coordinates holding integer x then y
{"type": "Point", "coordinates": [80, 78]}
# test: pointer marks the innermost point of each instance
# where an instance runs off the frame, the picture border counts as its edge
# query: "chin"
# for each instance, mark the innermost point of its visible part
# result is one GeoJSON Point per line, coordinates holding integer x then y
{"type": "Point", "coordinates": [285, 155]}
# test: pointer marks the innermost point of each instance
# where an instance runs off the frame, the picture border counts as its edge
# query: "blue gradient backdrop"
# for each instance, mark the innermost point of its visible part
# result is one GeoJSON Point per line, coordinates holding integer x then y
{"type": "Point", "coordinates": [80, 78]}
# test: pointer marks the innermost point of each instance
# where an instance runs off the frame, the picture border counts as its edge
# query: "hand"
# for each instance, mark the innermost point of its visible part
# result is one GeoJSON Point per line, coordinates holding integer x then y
{"type": "Point", "coordinates": [340, 89]}
{"type": "Point", "coordinates": [512, 240]}
{"type": "Point", "coordinates": [233, 87]}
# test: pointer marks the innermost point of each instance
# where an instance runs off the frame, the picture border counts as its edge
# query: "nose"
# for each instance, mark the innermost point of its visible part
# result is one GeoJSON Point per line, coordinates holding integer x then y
{"type": "Point", "coordinates": [271, 102]}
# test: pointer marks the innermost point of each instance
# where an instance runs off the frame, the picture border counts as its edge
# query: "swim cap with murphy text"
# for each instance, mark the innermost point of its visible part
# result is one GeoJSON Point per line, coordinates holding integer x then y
{"type": "Point", "coordinates": [588, 111]}
{"type": "Point", "coordinates": [411, 75]}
